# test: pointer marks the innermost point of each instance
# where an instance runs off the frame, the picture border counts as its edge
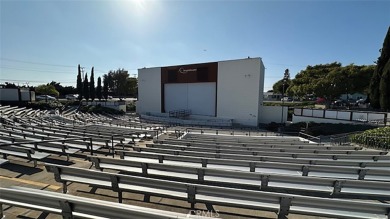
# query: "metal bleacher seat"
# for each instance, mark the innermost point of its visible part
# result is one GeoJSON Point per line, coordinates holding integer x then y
{"type": "Point", "coordinates": [316, 186]}
{"type": "Point", "coordinates": [261, 150]}
{"type": "Point", "coordinates": [192, 159]}
{"type": "Point", "coordinates": [17, 151]}
{"type": "Point", "coordinates": [280, 203]}
{"type": "Point", "coordinates": [218, 154]}
{"type": "Point", "coordinates": [69, 206]}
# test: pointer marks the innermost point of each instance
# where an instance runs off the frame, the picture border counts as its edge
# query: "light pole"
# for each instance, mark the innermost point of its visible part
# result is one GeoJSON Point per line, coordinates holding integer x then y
{"type": "Point", "coordinates": [285, 78]}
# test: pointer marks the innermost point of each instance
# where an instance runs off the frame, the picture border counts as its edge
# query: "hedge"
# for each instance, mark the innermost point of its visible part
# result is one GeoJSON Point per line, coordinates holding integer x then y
{"type": "Point", "coordinates": [377, 138]}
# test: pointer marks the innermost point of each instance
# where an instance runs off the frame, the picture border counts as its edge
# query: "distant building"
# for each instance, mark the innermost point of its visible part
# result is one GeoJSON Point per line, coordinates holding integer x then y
{"type": "Point", "coordinates": [16, 95]}
{"type": "Point", "coordinates": [217, 93]}
{"type": "Point", "coordinates": [230, 90]}
{"type": "Point", "coordinates": [271, 96]}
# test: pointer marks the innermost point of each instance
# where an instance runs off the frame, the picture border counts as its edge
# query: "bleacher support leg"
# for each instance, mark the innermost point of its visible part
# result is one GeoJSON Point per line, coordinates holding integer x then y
{"type": "Point", "coordinates": [210, 207]}
{"type": "Point", "coordinates": [284, 208]}
{"type": "Point", "coordinates": [90, 141]}
{"type": "Point", "coordinates": [120, 197]}
{"type": "Point", "coordinates": [146, 198]}
{"type": "Point", "coordinates": [1, 211]}
{"type": "Point", "coordinates": [64, 187]}
{"type": "Point", "coordinates": [66, 210]}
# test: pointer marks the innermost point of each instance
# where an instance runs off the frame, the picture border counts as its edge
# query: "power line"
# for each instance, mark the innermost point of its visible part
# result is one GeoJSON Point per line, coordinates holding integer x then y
{"type": "Point", "coordinates": [56, 65]}
{"type": "Point", "coordinates": [36, 70]}
{"type": "Point", "coordinates": [37, 63]}
{"type": "Point", "coordinates": [33, 81]}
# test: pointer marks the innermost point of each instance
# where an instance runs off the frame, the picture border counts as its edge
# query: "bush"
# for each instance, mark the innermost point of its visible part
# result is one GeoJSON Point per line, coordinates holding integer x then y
{"type": "Point", "coordinates": [100, 109]}
{"type": "Point", "coordinates": [130, 107]}
{"type": "Point", "coordinates": [41, 105]}
{"type": "Point", "coordinates": [378, 138]}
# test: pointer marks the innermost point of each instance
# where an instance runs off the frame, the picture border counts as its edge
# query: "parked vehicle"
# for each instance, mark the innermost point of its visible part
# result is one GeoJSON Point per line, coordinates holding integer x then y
{"type": "Point", "coordinates": [44, 97]}
{"type": "Point", "coordinates": [361, 101]}
{"type": "Point", "coordinates": [286, 99]}
{"type": "Point", "coordinates": [72, 96]}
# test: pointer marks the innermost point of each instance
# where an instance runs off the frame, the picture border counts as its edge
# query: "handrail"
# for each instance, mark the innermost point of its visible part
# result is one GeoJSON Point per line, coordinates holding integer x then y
{"type": "Point", "coordinates": [310, 136]}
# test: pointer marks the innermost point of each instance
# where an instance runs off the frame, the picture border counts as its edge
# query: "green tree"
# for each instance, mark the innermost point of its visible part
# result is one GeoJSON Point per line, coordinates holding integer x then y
{"type": "Point", "coordinates": [278, 86]}
{"type": "Point", "coordinates": [382, 70]}
{"type": "Point", "coordinates": [86, 87]}
{"type": "Point", "coordinates": [63, 90]}
{"type": "Point", "coordinates": [79, 85]}
{"type": "Point", "coordinates": [132, 87]}
{"type": "Point", "coordinates": [120, 84]}
{"type": "Point", "coordinates": [312, 80]}
{"type": "Point", "coordinates": [105, 88]}
{"type": "Point", "coordinates": [99, 89]}
{"type": "Point", "coordinates": [47, 90]}
{"type": "Point", "coordinates": [384, 88]}
{"type": "Point", "coordinates": [92, 86]}
{"type": "Point", "coordinates": [331, 80]}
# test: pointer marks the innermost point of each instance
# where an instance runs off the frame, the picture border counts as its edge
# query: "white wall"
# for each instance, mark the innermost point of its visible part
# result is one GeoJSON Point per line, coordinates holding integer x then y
{"type": "Point", "coordinates": [297, 119]}
{"type": "Point", "coordinates": [9, 94]}
{"type": "Point", "coordinates": [260, 115]}
{"type": "Point", "coordinates": [25, 95]}
{"type": "Point", "coordinates": [273, 114]}
{"type": "Point", "coordinates": [197, 97]}
{"type": "Point", "coordinates": [238, 90]}
{"type": "Point", "coordinates": [149, 90]}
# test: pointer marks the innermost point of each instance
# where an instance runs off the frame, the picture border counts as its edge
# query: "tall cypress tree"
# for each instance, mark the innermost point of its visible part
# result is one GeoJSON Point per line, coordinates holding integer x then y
{"type": "Point", "coordinates": [384, 69]}
{"type": "Point", "coordinates": [105, 88]}
{"type": "Point", "coordinates": [79, 84]}
{"type": "Point", "coordinates": [99, 89]}
{"type": "Point", "coordinates": [86, 87]}
{"type": "Point", "coordinates": [92, 86]}
{"type": "Point", "coordinates": [384, 88]}
{"type": "Point", "coordinates": [379, 88]}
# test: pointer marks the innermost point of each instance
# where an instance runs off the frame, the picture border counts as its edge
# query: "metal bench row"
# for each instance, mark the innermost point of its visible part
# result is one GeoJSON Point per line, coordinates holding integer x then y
{"type": "Point", "coordinates": [53, 148]}
{"type": "Point", "coordinates": [18, 151]}
{"type": "Point", "coordinates": [307, 161]}
{"type": "Point", "coordinates": [255, 146]}
{"type": "Point", "coordinates": [313, 186]}
{"type": "Point", "coordinates": [280, 203]}
{"type": "Point", "coordinates": [241, 139]}
{"type": "Point", "coordinates": [218, 154]}
{"type": "Point", "coordinates": [264, 167]}
{"type": "Point", "coordinates": [250, 151]}
{"type": "Point", "coordinates": [69, 206]}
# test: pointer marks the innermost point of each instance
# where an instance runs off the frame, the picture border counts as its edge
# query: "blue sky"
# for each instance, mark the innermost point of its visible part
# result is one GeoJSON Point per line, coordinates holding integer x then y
{"type": "Point", "coordinates": [43, 40]}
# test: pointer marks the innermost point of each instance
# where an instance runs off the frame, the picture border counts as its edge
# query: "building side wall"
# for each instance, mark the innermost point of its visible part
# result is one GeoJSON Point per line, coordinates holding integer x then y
{"type": "Point", "coordinates": [261, 91]}
{"type": "Point", "coordinates": [149, 90]}
{"type": "Point", "coordinates": [238, 90]}
{"type": "Point", "coordinates": [273, 114]}
{"type": "Point", "coordinates": [9, 94]}
{"type": "Point", "coordinates": [25, 95]}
